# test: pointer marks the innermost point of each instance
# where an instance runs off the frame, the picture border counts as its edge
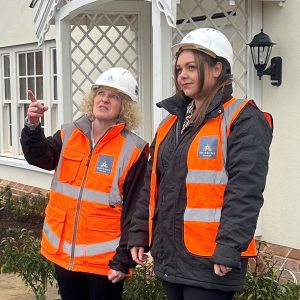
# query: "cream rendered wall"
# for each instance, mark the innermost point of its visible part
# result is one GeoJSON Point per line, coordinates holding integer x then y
{"type": "Point", "coordinates": [17, 28]}
{"type": "Point", "coordinates": [281, 213]}
{"type": "Point", "coordinates": [16, 23]}
{"type": "Point", "coordinates": [29, 176]}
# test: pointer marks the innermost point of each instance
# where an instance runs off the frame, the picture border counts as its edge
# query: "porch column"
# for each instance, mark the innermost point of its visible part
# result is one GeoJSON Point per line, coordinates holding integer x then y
{"type": "Point", "coordinates": [64, 73]}
{"type": "Point", "coordinates": [162, 63]}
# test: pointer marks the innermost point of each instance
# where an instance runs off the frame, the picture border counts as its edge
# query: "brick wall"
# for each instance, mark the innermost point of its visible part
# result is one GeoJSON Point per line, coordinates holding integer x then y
{"type": "Point", "coordinates": [285, 257]}
{"type": "Point", "coordinates": [19, 189]}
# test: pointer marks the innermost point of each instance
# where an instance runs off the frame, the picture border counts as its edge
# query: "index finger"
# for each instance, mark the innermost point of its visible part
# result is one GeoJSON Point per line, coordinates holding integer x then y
{"type": "Point", "coordinates": [31, 96]}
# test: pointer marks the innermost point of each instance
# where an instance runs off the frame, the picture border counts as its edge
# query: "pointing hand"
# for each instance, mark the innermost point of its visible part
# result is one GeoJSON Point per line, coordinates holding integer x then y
{"type": "Point", "coordinates": [35, 110]}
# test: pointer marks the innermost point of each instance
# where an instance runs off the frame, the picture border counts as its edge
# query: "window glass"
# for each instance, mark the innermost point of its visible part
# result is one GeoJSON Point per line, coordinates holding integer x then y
{"type": "Point", "coordinates": [39, 88]}
{"type": "Point", "coordinates": [54, 61]}
{"type": "Point", "coordinates": [39, 62]}
{"type": "Point", "coordinates": [30, 63]}
{"type": "Point", "coordinates": [55, 87]}
{"type": "Point", "coordinates": [7, 94]}
{"type": "Point", "coordinates": [31, 85]}
{"type": "Point", "coordinates": [23, 89]}
{"type": "Point", "coordinates": [22, 64]}
{"type": "Point", "coordinates": [9, 126]}
{"type": "Point", "coordinates": [6, 63]}
{"type": "Point", "coordinates": [54, 67]}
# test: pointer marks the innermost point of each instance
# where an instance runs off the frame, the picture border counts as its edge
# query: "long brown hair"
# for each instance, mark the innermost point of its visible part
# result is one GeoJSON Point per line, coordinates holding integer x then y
{"type": "Point", "coordinates": [225, 78]}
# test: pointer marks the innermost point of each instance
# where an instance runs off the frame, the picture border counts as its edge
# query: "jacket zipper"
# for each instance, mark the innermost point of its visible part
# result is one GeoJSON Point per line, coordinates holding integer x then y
{"type": "Point", "coordinates": [79, 201]}
{"type": "Point", "coordinates": [78, 210]}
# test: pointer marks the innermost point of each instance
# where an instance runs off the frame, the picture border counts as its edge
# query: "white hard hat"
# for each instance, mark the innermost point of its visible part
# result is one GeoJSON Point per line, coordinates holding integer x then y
{"type": "Point", "coordinates": [119, 79]}
{"type": "Point", "coordinates": [209, 41]}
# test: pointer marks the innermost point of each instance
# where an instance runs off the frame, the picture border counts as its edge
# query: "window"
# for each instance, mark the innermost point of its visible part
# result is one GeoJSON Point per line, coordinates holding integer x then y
{"type": "Point", "coordinates": [54, 90]}
{"type": "Point", "coordinates": [30, 77]}
{"type": "Point", "coordinates": [22, 68]}
{"type": "Point", "coordinates": [6, 143]}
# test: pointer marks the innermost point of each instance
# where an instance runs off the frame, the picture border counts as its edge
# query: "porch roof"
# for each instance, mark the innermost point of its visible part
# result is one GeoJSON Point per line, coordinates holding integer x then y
{"type": "Point", "coordinates": [44, 13]}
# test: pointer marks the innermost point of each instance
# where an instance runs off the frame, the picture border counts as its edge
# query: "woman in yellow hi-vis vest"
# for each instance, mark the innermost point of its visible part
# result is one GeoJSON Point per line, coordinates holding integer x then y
{"type": "Point", "coordinates": [99, 168]}
{"type": "Point", "coordinates": [207, 172]}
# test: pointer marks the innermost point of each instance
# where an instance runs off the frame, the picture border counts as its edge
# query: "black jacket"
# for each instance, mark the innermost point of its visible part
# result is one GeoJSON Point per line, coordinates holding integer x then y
{"type": "Point", "coordinates": [247, 166]}
{"type": "Point", "coordinates": [44, 153]}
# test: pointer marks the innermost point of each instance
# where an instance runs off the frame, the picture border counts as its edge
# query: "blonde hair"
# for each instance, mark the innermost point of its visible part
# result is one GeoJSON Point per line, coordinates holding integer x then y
{"type": "Point", "coordinates": [225, 78]}
{"type": "Point", "coordinates": [130, 110]}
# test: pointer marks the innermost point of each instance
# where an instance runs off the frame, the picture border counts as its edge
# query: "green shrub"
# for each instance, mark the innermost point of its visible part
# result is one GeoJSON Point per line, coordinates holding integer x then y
{"type": "Point", "coordinates": [266, 282]}
{"type": "Point", "coordinates": [5, 195]}
{"type": "Point", "coordinates": [143, 285]}
{"type": "Point", "coordinates": [26, 206]}
{"type": "Point", "coordinates": [22, 256]}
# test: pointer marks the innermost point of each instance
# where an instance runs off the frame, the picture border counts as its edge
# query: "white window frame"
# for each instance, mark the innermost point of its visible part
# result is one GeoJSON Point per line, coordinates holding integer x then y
{"type": "Point", "coordinates": [5, 144]}
{"type": "Point", "coordinates": [17, 105]}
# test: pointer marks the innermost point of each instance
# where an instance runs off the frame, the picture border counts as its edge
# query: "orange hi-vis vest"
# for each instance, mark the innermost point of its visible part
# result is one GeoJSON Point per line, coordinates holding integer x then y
{"type": "Point", "coordinates": [206, 179]}
{"type": "Point", "coordinates": [82, 226]}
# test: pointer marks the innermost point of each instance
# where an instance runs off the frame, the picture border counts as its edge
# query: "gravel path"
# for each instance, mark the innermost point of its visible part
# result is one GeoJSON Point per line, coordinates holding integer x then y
{"type": "Point", "coordinates": [13, 288]}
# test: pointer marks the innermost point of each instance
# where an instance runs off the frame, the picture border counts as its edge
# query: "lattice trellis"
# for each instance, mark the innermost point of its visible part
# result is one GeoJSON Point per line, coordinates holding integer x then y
{"type": "Point", "coordinates": [231, 20]}
{"type": "Point", "coordinates": [100, 41]}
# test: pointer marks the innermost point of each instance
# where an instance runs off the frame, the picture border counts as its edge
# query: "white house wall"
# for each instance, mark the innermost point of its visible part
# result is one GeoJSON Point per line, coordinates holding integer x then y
{"type": "Point", "coordinates": [282, 206]}
{"type": "Point", "coordinates": [17, 28]}
{"type": "Point", "coordinates": [16, 23]}
{"type": "Point", "coordinates": [23, 173]}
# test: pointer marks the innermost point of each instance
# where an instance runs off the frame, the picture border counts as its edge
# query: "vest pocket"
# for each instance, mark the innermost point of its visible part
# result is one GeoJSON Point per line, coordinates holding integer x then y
{"type": "Point", "coordinates": [102, 238]}
{"type": "Point", "coordinates": [53, 228]}
{"type": "Point", "coordinates": [199, 237]}
{"type": "Point", "coordinates": [71, 161]}
{"type": "Point", "coordinates": [103, 224]}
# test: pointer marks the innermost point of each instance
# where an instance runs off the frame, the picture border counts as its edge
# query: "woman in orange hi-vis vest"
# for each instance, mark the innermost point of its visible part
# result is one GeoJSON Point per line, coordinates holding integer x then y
{"type": "Point", "coordinates": [99, 168]}
{"type": "Point", "coordinates": [205, 179]}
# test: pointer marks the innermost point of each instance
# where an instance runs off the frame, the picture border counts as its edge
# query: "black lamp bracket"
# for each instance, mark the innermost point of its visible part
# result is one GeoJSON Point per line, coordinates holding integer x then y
{"type": "Point", "coordinates": [274, 70]}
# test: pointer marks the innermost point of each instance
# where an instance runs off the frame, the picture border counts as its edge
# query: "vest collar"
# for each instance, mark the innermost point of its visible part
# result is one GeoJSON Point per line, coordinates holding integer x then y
{"type": "Point", "coordinates": [85, 126]}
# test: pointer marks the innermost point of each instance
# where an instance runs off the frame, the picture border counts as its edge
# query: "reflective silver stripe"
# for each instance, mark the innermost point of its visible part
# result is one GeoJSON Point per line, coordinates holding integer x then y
{"type": "Point", "coordinates": [131, 141]}
{"type": "Point", "coordinates": [66, 189]}
{"type": "Point", "coordinates": [206, 177]}
{"type": "Point", "coordinates": [163, 121]}
{"type": "Point", "coordinates": [51, 236]}
{"type": "Point", "coordinates": [95, 197]}
{"type": "Point", "coordinates": [80, 250]}
{"type": "Point", "coordinates": [227, 116]}
{"type": "Point", "coordinates": [139, 143]}
{"type": "Point", "coordinates": [202, 214]}
{"type": "Point", "coordinates": [101, 248]}
{"type": "Point", "coordinates": [87, 195]}
{"type": "Point", "coordinates": [92, 249]}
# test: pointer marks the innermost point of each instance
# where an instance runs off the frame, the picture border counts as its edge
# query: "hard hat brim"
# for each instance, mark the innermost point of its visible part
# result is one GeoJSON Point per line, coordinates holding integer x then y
{"type": "Point", "coordinates": [190, 46]}
{"type": "Point", "coordinates": [111, 87]}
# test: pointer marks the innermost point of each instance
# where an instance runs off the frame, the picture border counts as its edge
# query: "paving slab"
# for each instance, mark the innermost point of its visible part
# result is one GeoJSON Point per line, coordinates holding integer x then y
{"type": "Point", "coordinates": [13, 288]}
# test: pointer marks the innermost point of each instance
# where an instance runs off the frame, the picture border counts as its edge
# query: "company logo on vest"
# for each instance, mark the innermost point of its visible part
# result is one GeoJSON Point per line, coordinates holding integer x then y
{"type": "Point", "coordinates": [208, 146]}
{"type": "Point", "coordinates": [104, 164]}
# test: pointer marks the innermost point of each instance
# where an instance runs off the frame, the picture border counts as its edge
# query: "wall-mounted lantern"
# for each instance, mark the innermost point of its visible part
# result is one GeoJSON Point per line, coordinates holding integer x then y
{"type": "Point", "coordinates": [261, 47]}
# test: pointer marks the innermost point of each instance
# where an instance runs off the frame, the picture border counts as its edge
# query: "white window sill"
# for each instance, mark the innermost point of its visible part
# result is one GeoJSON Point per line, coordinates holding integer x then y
{"type": "Point", "coordinates": [20, 163]}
